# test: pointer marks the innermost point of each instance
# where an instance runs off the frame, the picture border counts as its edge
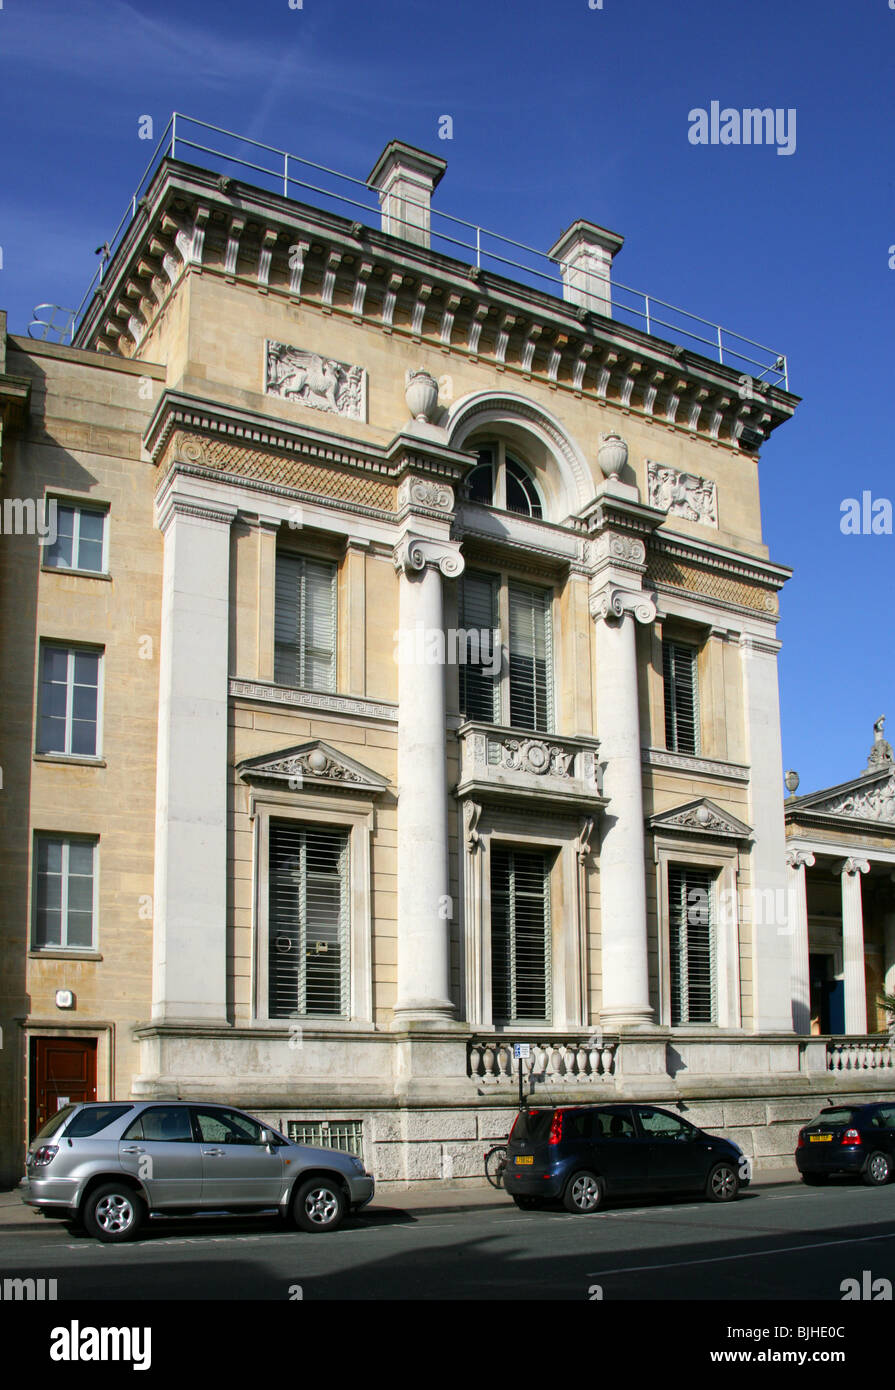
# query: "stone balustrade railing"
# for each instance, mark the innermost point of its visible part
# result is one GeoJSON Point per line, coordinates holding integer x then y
{"type": "Point", "coordinates": [859, 1054]}
{"type": "Point", "coordinates": [567, 1062]}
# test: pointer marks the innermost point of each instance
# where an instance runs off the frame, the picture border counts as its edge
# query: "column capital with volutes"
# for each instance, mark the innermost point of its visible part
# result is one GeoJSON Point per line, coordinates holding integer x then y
{"type": "Point", "coordinates": [413, 554]}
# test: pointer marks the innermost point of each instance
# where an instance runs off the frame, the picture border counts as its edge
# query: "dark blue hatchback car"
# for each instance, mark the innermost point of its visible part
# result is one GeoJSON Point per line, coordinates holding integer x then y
{"type": "Point", "coordinates": [856, 1139]}
{"type": "Point", "coordinates": [583, 1154]}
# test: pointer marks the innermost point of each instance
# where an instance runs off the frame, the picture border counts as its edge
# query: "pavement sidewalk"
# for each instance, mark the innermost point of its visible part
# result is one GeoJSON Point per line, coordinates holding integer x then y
{"type": "Point", "coordinates": [423, 1198]}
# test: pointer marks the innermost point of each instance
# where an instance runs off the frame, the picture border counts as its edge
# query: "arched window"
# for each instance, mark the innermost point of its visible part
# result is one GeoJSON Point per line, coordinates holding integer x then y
{"type": "Point", "coordinates": [500, 480]}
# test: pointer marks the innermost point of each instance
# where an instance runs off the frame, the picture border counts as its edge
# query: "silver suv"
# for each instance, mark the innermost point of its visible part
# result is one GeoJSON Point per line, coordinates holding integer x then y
{"type": "Point", "coordinates": [108, 1164]}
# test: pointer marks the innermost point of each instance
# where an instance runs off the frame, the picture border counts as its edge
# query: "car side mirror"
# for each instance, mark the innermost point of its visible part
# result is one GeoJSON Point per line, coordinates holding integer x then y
{"type": "Point", "coordinates": [268, 1138]}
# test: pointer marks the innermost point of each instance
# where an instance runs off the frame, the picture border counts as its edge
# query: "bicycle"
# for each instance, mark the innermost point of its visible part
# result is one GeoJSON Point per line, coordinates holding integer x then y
{"type": "Point", "coordinates": [496, 1164]}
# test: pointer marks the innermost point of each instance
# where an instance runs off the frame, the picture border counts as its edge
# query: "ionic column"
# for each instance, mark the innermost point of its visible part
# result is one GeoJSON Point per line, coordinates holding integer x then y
{"type": "Point", "coordinates": [423, 879]}
{"type": "Point", "coordinates": [850, 871]}
{"type": "Point", "coordinates": [190, 909]}
{"type": "Point", "coordinates": [797, 861]}
{"type": "Point", "coordinates": [625, 961]}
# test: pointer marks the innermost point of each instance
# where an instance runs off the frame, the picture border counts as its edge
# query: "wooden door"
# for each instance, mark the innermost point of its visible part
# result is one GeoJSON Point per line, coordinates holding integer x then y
{"type": "Point", "coordinates": [63, 1071]}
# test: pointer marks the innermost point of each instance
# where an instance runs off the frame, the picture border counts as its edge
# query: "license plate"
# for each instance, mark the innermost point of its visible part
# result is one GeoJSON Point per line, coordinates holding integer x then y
{"type": "Point", "coordinates": [820, 1138]}
{"type": "Point", "coordinates": [525, 1158]}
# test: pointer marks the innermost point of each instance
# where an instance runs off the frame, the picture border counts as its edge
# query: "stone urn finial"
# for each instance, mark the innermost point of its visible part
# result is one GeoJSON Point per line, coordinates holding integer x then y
{"type": "Point", "coordinates": [421, 395]}
{"type": "Point", "coordinates": [791, 782]}
{"type": "Point", "coordinates": [612, 454]}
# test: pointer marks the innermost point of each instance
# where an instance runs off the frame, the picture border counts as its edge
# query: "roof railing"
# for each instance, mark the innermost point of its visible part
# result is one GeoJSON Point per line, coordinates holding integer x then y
{"type": "Point", "coordinates": [466, 240]}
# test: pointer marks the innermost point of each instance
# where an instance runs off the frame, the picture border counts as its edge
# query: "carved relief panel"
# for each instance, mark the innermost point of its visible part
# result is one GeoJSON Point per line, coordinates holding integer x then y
{"type": "Point", "coordinates": [322, 383]}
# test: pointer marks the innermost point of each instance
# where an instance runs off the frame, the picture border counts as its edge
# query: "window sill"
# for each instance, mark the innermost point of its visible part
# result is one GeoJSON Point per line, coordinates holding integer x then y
{"type": "Point", "coordinates": [61, 953]}
{"type": "Point", "coordinates": [80, 574]}
{"type": "Point", "coordinates": [75, 758]}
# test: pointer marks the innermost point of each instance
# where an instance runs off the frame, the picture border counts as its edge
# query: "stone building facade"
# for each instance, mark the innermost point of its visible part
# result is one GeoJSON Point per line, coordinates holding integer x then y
{"type": "Point", "coordinates": [396, 682]}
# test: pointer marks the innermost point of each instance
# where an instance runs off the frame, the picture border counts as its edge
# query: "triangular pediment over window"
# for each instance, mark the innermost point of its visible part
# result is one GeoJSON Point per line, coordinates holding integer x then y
{"type": "Point", "coordinates": [701, 818]}
{"type": "Point", "coordinates": [867, 798]}
{"type": "Point", "coordinates": [313, 764]}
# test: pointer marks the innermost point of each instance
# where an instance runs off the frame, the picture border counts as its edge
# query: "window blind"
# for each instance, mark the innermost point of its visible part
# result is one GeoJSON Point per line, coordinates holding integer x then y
{"type": "Point", "coordinates": [692, 945]}
{"type": "Point", "coordinates": [308, 921]}
{"type": "Point", "coordinates": [531, 658]}
{"type": "Point", "coordinates": [479, 691]}
{"type": "Point", "coordinates": [681, 698]}
{"type": "Point", "coordinates": [520, 936]}
{"type": "Point", "coordinates": [305, 623]}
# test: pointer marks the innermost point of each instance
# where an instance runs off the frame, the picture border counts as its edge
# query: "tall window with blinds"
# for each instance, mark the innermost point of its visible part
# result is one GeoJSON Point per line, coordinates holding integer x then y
{"type": "Point", "coordinates": [479, 687]}
{"type": "Point", "coordinates": [531, 659]}
{"type": "Point", "coordinates": [692, 946]}
{"type": "Point", "coordinates": [305, 623]}
{"type": "Point", "coordinates": [308, 921]}
{"type": "Point", "coordinates": [681, 697]}
{"type": "Point", "coordinates": [520, 936]}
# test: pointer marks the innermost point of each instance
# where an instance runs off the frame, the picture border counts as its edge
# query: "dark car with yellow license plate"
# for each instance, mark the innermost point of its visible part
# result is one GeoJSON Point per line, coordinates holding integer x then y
{"type": "Point", "coordinates": [582, 1155]}
{"type": "Point", "coordinates": [849, 1139]}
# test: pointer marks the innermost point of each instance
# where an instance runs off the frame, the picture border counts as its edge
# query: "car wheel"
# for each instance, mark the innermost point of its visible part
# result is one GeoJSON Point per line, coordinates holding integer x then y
{"type": "Point", "coordinates": [525, 1203]}
{"type": "Point", "coordinates": [113, 1212]}
{"type": "Point", "coordinates": [583, 1194]}
{"type": "Point", "coordinates": [723, 1183]}
{"type": "Point", "coordinates": [319, 1205]}
{"type": "Point", "coordinates": [816, 1179]}
{"type": "Point", "coordinates": [877, 1170]}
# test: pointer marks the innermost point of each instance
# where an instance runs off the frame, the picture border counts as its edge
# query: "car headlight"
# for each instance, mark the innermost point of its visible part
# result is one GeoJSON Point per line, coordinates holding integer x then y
{"type": "Point", "coordinates": [357, 1164]}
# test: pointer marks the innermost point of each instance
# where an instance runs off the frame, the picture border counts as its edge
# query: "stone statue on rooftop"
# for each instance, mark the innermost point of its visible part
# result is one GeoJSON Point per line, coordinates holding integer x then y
{"type": "Point", "coordinates": [881, 752]}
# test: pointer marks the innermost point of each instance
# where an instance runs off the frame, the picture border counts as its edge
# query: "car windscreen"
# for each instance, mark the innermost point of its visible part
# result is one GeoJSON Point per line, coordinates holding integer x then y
{"type": "Point", "coordinates": [53, 1124]}
{"type": "Point", "coordinates": [94, 1118]}
{"type": "Point", "coordinates": [532, 1126]}
{"type": "Point", "coordinates": [832, 1117]}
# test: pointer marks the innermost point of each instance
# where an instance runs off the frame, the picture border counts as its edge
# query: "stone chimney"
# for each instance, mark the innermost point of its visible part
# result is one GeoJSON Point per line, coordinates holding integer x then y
{"type": "Point", "coordinates": [405, 177]}
{"type": "Point", "coordinates": [585, 253]}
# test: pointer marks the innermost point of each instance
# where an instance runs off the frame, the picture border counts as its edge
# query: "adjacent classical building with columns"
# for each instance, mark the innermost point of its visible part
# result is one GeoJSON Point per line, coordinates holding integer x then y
{"type": "Point", "coordinates": [400, 684]}
{"type": "Point", "coordinates": [841, 861]}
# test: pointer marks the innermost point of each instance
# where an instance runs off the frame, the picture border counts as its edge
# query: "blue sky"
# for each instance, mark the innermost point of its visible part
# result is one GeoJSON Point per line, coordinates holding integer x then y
{"type": "Point", "coordinates": [559, 111]}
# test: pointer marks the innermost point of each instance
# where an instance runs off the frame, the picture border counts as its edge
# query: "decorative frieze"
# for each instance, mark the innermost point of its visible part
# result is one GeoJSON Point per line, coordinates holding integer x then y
{"type": "Point", "coordinates": [731, 590]}
{"type": "Point", "coordinates": [321, 383]}
{"type": "Point", "coordinates": [312, 701]}
{"type": "Point", "coordinates": [682, 494]}
{"type": "Point", "coordinates": [876, 802]}
{"type": "Point", "coordinates": [688, 763]}
{"type": "Point", "coordinates": [237, 460]}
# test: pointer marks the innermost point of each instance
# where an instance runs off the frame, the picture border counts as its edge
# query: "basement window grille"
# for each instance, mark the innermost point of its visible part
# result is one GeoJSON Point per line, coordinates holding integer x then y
{"type": "Point", "coordinates": [346, 1135]}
